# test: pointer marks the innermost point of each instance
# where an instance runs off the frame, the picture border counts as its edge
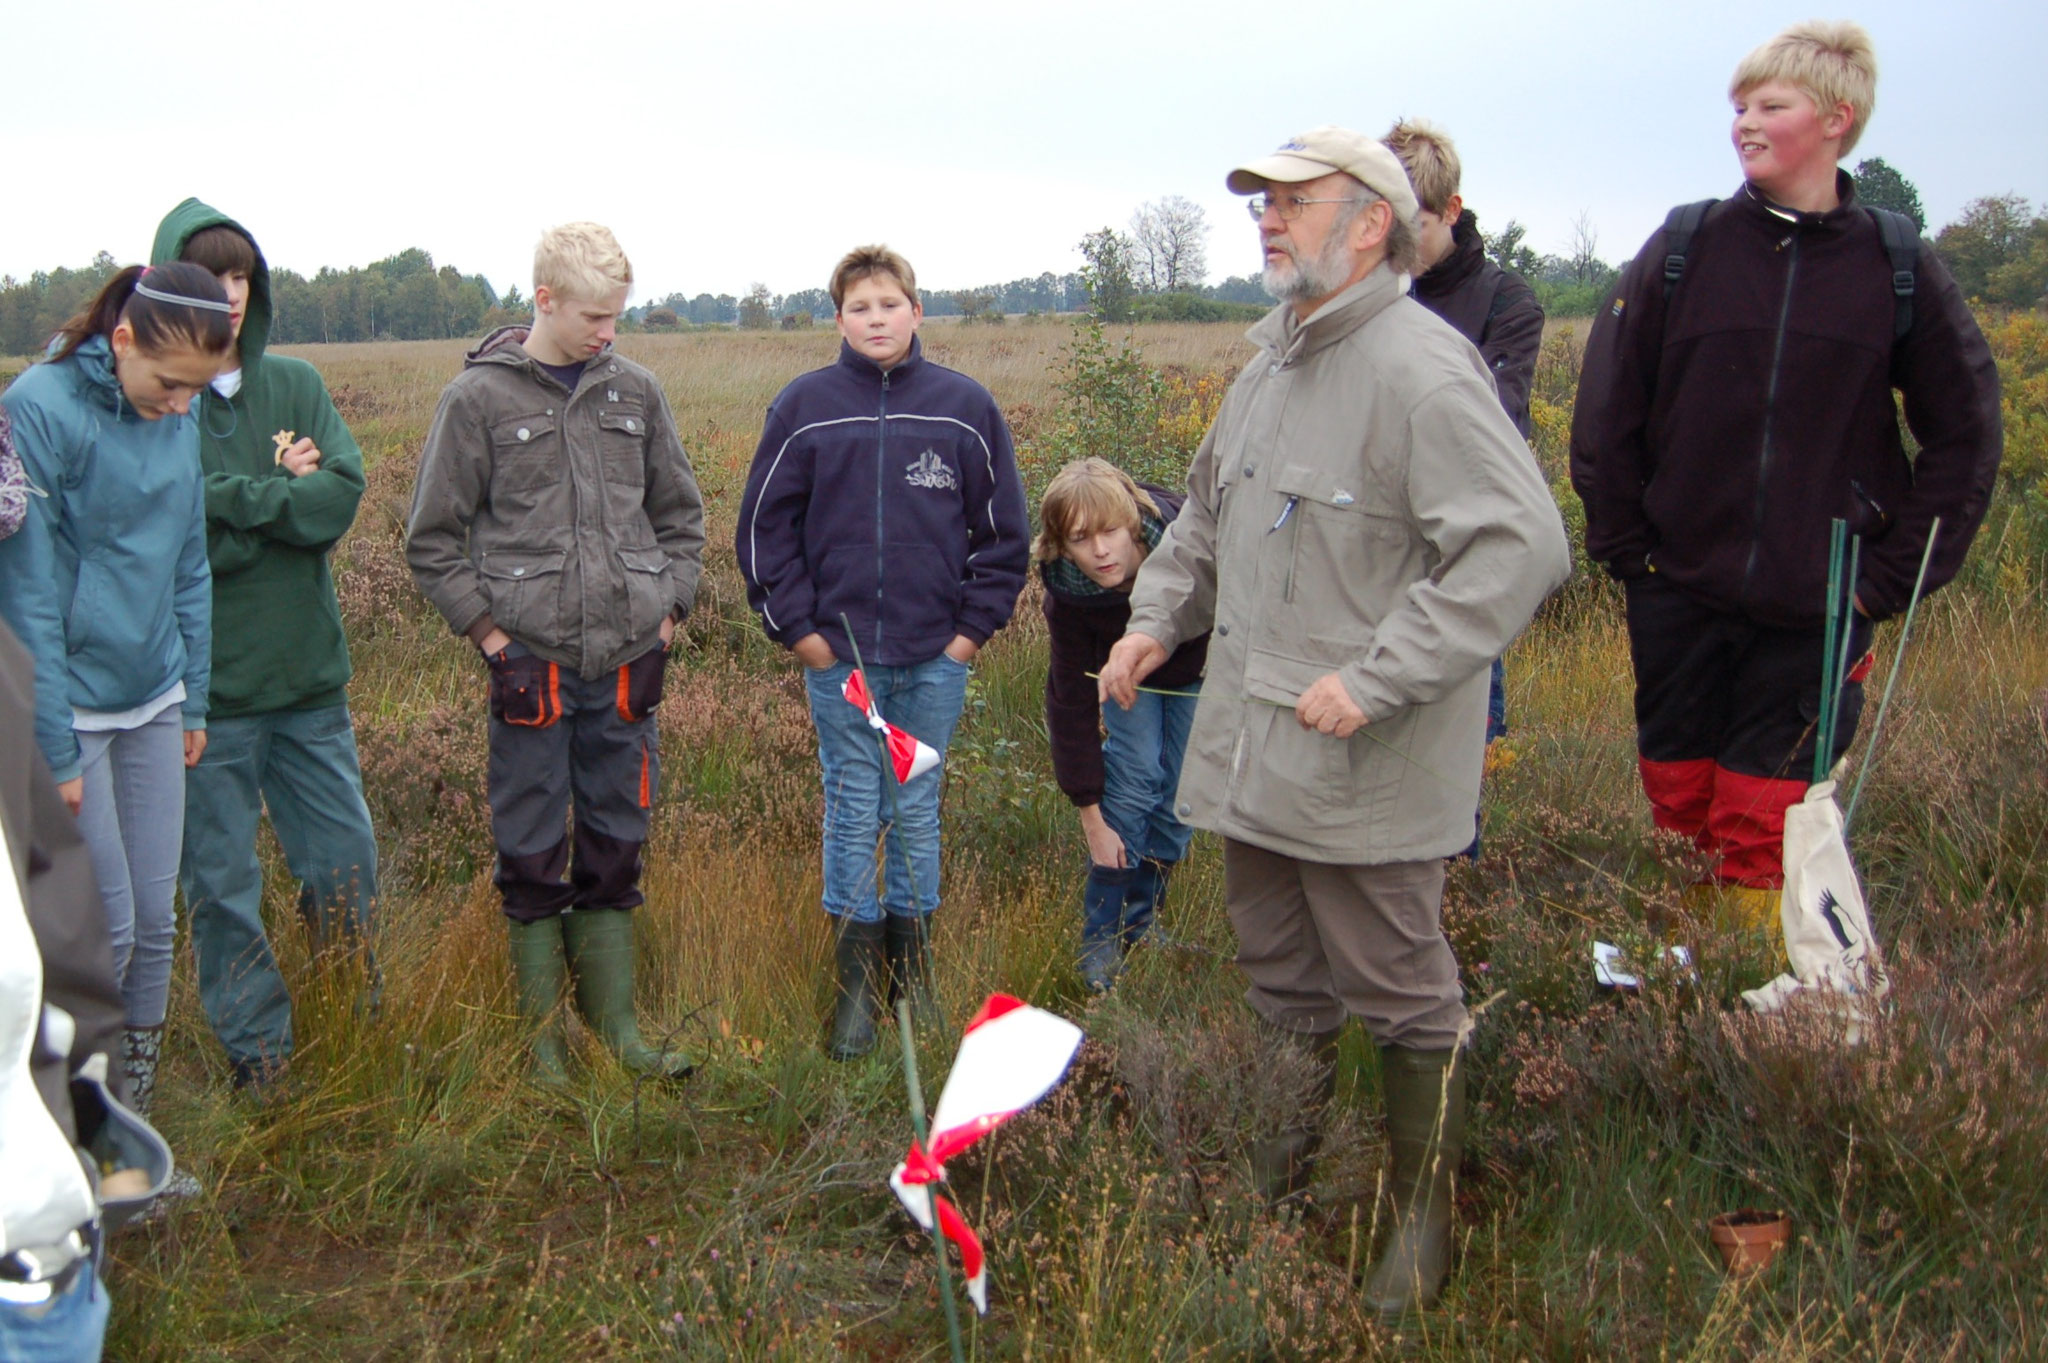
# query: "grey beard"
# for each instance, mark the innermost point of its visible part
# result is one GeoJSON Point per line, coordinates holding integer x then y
{"type": "Point", "coordinates": [1310, 279]}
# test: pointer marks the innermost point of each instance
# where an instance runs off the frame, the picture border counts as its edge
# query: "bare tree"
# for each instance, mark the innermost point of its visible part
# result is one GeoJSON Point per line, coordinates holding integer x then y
{"type": "Point", "coordinates": [1170, 234]}
{"type": "Point", "coordinates": [1585, 257]}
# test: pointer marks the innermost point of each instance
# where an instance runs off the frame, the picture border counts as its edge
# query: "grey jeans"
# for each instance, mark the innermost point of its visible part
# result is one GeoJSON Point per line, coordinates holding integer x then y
{"type": "Point", "coordinates": [1318, 941]}
{"type": "Point", "coordinates": [133, 820]}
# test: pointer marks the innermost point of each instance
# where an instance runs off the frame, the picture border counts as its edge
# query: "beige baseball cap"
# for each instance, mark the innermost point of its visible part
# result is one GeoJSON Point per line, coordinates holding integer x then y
{"type": "Point", "coordinates": [1317, 152]}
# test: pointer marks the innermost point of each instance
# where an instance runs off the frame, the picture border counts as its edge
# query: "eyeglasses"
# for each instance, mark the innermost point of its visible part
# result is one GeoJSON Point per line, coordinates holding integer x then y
{"type": "Point", "coordinates": [1288, 206]}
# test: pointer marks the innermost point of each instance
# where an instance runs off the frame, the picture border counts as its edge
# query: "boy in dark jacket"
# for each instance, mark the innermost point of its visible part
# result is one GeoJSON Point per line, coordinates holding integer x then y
{"type": "Point", "coordinates": [1493, 308]}
{"type": "Point", "coordinates": [884, 499]}
{"type": "Point", "coordinates": [1725, 419]}
{"type": "Point", "coordinates": [1120, 767]}
{"type": "Point", "coordinates": [557, 525]}
{"type": "Point", "coordinates": [283, 479]}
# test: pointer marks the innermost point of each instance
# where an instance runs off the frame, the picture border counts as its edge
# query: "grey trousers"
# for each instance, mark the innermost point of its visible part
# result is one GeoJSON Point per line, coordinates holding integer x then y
{"type": "Point", "coordinates": [1319, 941]}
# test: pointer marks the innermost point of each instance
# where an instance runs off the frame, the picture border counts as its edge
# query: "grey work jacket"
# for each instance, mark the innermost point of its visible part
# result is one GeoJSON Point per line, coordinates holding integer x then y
{"type": "Point", "coordinates": [570, 521]}
{"type": "Point", "coordinates": [1361, 506]}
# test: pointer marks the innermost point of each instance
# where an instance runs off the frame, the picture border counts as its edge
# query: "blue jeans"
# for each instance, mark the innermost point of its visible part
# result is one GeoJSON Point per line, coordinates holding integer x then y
{"type": "Point", "coordinates": [131, 818]}
{"type": "Point", "coordinates": [69, 1328]}
{"type": "Point", "coordinates": [301, 765]}
{"type": "Point", "coordinates": [924, 700]}
{"type": "Point", "coordinates": [1141, 756]}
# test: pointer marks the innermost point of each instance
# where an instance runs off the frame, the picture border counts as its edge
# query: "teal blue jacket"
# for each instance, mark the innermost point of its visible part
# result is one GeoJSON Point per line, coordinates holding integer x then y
{"type": "Point", "coordinates": [107, 581]}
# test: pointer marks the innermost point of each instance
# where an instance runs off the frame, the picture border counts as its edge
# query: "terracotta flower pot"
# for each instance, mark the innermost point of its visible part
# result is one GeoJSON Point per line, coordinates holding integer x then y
{"type": "Point", "coordinates": [1749, 1239]}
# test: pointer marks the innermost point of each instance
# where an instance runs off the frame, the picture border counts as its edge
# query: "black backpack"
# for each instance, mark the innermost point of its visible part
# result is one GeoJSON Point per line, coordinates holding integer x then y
{"type": "Point", "coordinates": [1901, 242]}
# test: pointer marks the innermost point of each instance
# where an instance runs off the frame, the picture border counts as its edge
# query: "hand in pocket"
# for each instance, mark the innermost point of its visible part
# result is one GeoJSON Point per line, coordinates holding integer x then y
{"type": "Point", "coordinates": [525, 689]}
{"type": "Point", "coordinates": [640, 685]}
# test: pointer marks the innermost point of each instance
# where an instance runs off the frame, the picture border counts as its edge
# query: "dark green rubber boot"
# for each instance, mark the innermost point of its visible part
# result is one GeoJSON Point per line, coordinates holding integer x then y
{"type": "Point", "coordinates": [858, 955]}
{"type": "Point", "coordinates": [1283, 1163]}
{"type": "Point", "coordinates": [600, 943]}
{"type": "Point", "coordinates": [539, 971]}
{"type": "Point", "coordinates": [1425, 1093]}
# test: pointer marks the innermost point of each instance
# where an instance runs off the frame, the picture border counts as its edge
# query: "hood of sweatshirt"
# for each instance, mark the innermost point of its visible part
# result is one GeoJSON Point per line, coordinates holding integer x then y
{"type": "Point", "coordinates": [188, 219]}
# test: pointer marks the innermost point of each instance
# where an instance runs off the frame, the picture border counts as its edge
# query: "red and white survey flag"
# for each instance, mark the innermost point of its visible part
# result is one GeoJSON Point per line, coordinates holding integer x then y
{"type": "Point", "coordinates": [912, 756]}
{"type": "Point", "coordinates": [1011, 1057]}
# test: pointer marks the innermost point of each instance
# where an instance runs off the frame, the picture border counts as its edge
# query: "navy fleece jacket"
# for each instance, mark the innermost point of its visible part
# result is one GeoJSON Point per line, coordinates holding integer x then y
{"type": "Point", "coordinates": [891, 499]}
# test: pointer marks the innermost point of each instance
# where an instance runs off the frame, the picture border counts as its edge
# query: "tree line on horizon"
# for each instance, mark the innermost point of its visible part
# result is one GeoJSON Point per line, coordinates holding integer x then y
{"type": "Point", "coordinates": [1154, 271]}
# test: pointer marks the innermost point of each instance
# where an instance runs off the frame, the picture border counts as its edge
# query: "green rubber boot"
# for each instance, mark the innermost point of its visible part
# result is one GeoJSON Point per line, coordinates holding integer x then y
{"type": "Point", "coordinates": [1425, 1093]}
{"type": "Point", "coordinates": [538, 972]}
{"type": "Point", "coordinates": [600, 943]}
{"type": "Point", "coordinates": [860, 965]}
{"type": "Point", "coordinates": [1283, 1162]}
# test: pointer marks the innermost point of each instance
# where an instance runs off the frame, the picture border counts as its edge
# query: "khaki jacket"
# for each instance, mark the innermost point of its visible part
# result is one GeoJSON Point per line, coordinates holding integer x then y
{"type": "Point", "coordinates": [570, 521]}
{"type": "Point", "coordinates": [1361, 506]}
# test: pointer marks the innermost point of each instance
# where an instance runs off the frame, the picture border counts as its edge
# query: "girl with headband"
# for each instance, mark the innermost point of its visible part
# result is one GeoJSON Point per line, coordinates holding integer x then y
{"type": "Point", "coordinates": [107, 584]}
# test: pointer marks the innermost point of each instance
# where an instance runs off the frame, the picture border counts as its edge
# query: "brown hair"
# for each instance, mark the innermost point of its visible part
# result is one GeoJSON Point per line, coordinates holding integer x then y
{"type": "Point", "coordinates": [1430, 158]}
{"type": "Point", "coordinates": [1088, 494]}
{"type": "Point", "coordinates": [1833, 62]}
{"type": "Point", "coordinates": [158, 325]}
{"type": "Point", "coordinates": [865, 262]}
{"type": "Point", "coordinates": [220, 250]}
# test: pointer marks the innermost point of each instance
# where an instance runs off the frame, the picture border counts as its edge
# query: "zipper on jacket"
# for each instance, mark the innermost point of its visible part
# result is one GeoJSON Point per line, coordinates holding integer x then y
{"type": "Point", "coordinates": [881, 445]}
{"type": "Point", "coordinates": [1763, 462]}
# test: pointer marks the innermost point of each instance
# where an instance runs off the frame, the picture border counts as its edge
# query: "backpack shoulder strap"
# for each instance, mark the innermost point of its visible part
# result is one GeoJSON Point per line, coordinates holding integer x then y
{"type": "Point", "coordinates": [1902, 244]}
{"type": "Point", "coordinates": [1679, 225]}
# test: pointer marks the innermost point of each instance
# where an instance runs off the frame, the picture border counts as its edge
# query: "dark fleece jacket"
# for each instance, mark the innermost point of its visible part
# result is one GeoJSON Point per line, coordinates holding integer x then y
{"type": "Point", "coordinates": [1494, 309]}
{"type": "Point", "coordinates": [1716, 437]}
{"type": "Point", "coordinates": [891, 499]}
{"type": "Point", "coordinates": [277, 636]}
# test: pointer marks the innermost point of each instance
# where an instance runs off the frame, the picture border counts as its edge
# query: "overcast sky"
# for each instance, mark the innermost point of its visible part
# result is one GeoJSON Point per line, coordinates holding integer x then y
{"type": "Point", "coordinates": [757, 141]}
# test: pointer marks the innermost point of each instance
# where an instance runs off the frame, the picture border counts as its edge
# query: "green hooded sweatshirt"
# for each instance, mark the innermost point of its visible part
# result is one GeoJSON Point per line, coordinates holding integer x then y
{"type": "Point", "coordinates": [277, 638]}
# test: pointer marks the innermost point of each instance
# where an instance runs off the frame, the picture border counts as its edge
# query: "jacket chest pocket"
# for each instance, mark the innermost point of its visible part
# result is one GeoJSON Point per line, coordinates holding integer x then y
{"type": "Point", "coordinates": [526, 453]}
{"type": "Point", "coordinates": [1348, 555]}
{"type": "Point", "coordinates": [525, 590]}
{"type": "Point", "coordinates": [622, 437]}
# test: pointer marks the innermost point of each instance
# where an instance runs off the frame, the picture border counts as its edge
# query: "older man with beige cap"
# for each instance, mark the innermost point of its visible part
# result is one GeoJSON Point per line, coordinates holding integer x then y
{"type": "Point", "coordinates": [1364, 532]}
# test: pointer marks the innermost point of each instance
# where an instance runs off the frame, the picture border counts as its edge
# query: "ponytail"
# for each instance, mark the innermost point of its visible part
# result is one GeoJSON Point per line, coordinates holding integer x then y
{"type": "Point", "coordinates": [182, 305]}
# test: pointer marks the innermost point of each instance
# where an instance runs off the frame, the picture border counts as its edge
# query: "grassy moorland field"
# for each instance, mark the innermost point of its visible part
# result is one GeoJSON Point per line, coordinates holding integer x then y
{"type": "Point", "coordinates": [405, 1196]}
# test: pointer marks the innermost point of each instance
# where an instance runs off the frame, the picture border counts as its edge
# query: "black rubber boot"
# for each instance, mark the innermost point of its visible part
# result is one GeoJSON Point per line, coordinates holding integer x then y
{"type": "Point", "coordinates": [858, 953]}
{"type": "Point", "coordinates": [1283, 1163]}
{"type": "Point", "coordinates": [600, 949]}
{"type": "Point", "coordinates": [539, 970]}
{"type": "Point", "coordinates": [909, 943]}
{"type": "Point", "coordinates": [1425, 1093]}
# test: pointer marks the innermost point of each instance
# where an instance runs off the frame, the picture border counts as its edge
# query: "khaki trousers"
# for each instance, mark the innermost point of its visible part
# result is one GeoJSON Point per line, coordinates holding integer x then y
{"type": "Point", "coordinates": [1319, 941]}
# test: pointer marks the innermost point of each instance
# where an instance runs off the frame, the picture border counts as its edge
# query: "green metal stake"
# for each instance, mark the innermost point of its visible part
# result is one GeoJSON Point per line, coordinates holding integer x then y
{"type": "Point", "coordinates": [1892, 679]}
{"type": "Point", "coordinates": [1836, 531]}
{"type": "Point", "coordinates": [1847, 632]}
{"type": "Point", "coordinates": [903, 1032]}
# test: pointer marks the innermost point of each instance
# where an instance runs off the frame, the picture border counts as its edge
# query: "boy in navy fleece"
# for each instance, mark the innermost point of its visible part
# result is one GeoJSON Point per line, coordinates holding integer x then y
{"type": "Point", "coordinates": [884, 498]}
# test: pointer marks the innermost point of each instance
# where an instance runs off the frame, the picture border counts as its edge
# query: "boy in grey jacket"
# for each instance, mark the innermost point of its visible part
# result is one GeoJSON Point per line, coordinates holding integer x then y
{"type": "Point", "coordinates": [556, 523]}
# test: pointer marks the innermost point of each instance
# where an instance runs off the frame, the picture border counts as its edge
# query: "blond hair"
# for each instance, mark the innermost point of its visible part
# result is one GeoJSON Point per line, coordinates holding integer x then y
{"type": "Point", "coordinates": [1830, 61]}
{"type": "Point", "coordinates": [581, 260]}
{"type": "Point", "coordinates": [864, 262]}
{"type": "Point", "coordinates": [1429, 156]}
{"type": "Point", "coordinates": [1088, 495]}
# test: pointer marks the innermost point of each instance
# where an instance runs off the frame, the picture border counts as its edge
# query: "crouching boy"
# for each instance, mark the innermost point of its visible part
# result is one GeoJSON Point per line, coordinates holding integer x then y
{"type": "Point", "coordinates": [1120, 767]}
{"type": "Point", "coordinates": [884, 499]}
{"type": "Point", "coordinates": [557, 524]}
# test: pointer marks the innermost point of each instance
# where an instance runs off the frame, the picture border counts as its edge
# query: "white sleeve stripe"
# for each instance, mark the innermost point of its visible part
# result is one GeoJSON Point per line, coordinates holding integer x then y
{"type": "Point", "coordinates": [753, 523]}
